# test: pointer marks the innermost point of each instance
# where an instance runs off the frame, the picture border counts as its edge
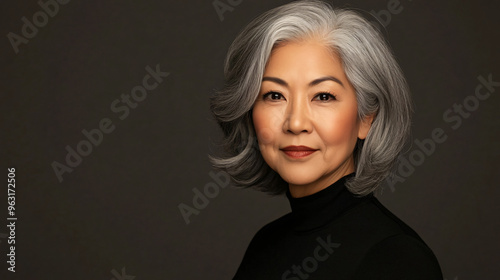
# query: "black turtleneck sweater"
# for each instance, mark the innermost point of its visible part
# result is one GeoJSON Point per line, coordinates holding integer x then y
{"type": "Point", "coordinates": [333, 234]}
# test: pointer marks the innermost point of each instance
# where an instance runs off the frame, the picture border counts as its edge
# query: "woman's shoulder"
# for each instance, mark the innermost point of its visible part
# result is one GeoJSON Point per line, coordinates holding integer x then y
{"type": "Point", "coordinates": [374, 219]}
{"type": "Point", "coordinates": [399, 256]}
{"type": "Point", "coordinates": [392, 249]}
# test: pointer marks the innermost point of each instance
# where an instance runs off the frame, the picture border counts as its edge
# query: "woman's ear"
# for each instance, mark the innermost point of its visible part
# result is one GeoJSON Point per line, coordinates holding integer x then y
{"type": "Point", "coordinates": [365, 125]}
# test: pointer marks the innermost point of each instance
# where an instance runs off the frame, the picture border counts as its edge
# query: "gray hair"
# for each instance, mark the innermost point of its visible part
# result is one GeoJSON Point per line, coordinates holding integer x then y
{"type": "Point", "coordinates": [368, 63]}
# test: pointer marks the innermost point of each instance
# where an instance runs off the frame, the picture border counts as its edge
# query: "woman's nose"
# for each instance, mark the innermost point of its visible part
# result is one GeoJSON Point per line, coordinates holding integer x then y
{"type": "Point", "coordinates": [297, 119]}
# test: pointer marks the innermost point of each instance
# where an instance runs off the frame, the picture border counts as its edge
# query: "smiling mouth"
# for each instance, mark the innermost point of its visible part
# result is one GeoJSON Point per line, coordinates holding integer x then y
{"type": "Point", "coordinates": [298, 151]}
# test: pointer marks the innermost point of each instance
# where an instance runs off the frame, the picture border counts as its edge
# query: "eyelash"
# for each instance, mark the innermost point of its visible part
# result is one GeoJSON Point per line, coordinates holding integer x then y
{"type": "Point", "coordinates": [268, 94]}
{"type": "Point", "coordinates": [325, 93]}
{"type": "Point", "coordinates": [331, 96]}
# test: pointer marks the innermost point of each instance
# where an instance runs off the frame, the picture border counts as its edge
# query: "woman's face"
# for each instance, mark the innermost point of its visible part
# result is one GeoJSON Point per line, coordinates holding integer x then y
{"type": "Point", "coordinates": [306, 117]}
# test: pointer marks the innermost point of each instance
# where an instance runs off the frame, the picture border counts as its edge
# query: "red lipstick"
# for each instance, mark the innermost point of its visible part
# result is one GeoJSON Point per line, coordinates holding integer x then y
{"type": "Point", "coordinates": [298, 151]}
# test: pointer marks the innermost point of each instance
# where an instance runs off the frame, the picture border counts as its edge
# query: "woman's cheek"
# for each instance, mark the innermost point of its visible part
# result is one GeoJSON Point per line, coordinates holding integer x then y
{"type": "Point", "coordinates": [340, 129]}
{"type": "Point", "coordinates": [266, 124]}
{"type": "Point", "coordinates": [265, 136]}
{"type": "Point", "coordinates": [267, 128]}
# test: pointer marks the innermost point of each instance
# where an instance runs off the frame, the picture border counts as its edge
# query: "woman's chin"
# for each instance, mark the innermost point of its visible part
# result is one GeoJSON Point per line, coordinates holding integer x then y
{"type": "Point", "coordinates": [298, 179]}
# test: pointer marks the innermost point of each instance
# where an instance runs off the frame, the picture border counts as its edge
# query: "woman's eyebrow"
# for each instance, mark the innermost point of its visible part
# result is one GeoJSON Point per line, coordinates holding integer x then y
{"type": "Point", "coordinates": [326, 78]}
{"type": "Point", "coordinates": [312, 83]}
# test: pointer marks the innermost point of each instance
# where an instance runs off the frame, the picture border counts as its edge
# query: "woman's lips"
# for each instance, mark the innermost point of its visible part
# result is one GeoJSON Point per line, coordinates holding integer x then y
{"type": "Point", "coordinates": [298, 151]}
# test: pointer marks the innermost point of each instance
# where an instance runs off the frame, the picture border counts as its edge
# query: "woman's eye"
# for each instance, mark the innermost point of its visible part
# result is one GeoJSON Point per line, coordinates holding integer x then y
{"type": "Point", "coordinates": [325, 96]}
{"type": "Point", "coordinates": [273, 95]}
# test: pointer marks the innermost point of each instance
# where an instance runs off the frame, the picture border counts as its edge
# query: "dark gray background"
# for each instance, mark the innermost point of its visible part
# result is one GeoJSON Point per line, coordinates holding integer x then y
{"type": "Point", "coordinates": [119, 207]}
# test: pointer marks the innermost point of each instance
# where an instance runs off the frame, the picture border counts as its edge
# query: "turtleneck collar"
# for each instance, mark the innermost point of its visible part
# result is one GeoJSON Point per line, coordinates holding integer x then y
{"type": "Point", "coordinates": [318, 209]}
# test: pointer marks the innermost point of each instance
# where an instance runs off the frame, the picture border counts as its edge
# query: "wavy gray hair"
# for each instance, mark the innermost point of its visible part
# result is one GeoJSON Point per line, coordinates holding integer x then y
{"type": "Point", "coordinates": [368, 63]}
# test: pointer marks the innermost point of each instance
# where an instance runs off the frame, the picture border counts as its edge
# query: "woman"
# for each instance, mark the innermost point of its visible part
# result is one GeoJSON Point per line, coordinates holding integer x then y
{"type": "Point", "coordinates": [315, 106]}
